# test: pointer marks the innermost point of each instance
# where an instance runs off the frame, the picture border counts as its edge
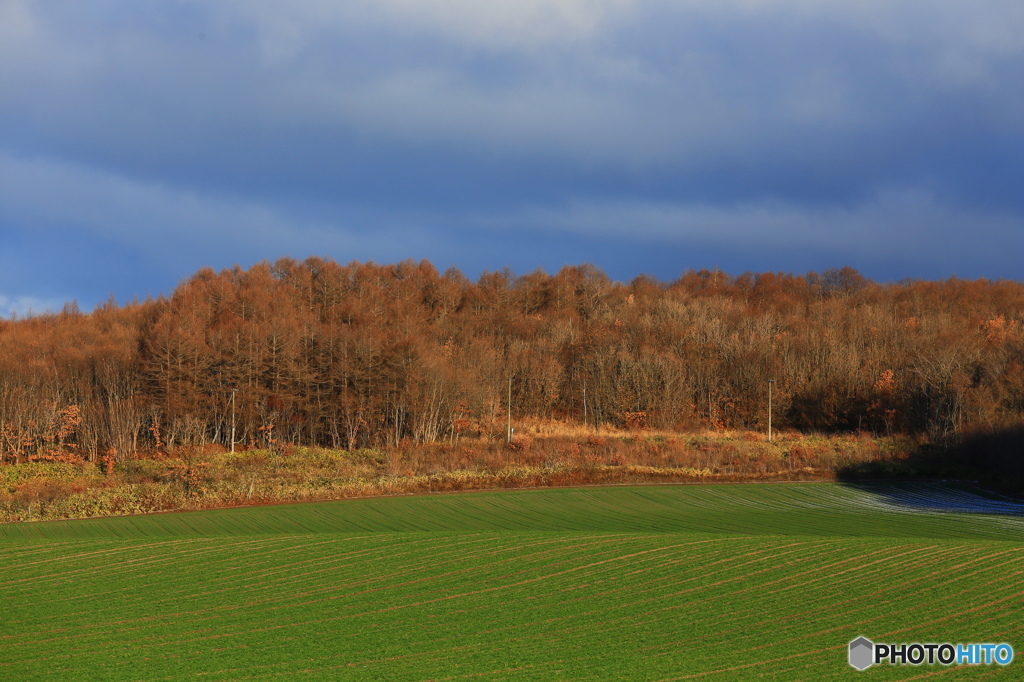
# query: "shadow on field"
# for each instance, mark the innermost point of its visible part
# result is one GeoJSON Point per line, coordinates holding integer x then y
{"type": "Point", "coordinates": [937, 497]}
{"type": "Point", "coordinates": [994, 459]}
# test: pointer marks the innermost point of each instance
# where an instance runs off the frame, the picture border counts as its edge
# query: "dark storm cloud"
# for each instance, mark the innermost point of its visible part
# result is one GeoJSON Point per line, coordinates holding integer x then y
{"type": "Point", "coordinates": [746, 134]}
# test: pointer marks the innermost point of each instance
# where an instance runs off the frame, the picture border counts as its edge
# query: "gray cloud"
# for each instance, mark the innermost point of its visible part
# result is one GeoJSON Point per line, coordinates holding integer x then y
{"type": "Point", "coordinates": [393, 128]}
{"type": "Point", "coordinates": [189, 229]}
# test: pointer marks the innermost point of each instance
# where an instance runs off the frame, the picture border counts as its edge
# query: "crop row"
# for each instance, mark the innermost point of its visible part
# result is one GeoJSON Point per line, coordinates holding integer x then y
{"type": "Point", "coordinates": [654, 582]}
{"type": "Point", "coordinates": [906, 510]}
{"type": "Point", "coordinates": [431, 605]}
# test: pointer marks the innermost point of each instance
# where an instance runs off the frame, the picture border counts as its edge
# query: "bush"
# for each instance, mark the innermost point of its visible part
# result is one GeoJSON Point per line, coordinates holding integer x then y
{"type": "Point", "coordinates": [520, 443]}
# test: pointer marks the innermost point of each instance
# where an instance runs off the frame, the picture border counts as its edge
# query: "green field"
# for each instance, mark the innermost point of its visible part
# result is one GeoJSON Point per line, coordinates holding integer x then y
{"type": "Point", "coordinates": [663, 582]}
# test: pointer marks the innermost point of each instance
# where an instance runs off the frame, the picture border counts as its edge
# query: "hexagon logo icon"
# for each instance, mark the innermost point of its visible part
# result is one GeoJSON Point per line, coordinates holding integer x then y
{"type": "Point", "coordinates": [862, 653]}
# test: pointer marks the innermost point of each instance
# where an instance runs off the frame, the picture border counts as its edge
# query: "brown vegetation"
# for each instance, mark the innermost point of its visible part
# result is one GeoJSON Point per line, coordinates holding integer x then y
{"type": "Point", "coordinates": [213, 477]}
{"type": "Point", "coordinates": [359, 356]}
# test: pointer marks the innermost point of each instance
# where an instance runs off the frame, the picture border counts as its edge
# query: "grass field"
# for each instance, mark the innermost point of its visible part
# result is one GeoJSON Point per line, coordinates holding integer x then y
{"type": "Point", "coordinates": [662, 582]}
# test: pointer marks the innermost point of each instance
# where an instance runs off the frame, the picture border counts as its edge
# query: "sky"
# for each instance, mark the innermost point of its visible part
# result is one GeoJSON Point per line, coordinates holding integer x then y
{"type": "Point", "coordinates": [141, 141]}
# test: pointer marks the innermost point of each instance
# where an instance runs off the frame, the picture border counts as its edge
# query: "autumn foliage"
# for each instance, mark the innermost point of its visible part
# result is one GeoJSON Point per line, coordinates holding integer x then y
{"type": "Point", "coordinates": [364, 355]}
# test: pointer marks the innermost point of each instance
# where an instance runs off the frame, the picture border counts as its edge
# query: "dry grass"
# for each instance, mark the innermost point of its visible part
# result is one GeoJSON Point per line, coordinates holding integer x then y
{"type": "Point", "coordinates": [539, 427]}
{"type": "Point", "coordinates": [544, 453]}
{"type": "Point", "coordinates": [548, 428]}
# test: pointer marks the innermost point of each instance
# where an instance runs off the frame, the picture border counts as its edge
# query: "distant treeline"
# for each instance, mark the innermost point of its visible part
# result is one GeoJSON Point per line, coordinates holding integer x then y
{"type": "Point", "coordinates": [318, 353]}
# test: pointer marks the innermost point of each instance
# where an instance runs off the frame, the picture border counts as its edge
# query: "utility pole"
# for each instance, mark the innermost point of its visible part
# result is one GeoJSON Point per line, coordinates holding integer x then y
{"type": "Point", "coordinates": [584, 404]}
{"type": "Point", "coordinates": [509, 410]}
{"type": "Point", "coordinates": [770, 382]}
{"type": "Point", "coordinates": [233, 391]}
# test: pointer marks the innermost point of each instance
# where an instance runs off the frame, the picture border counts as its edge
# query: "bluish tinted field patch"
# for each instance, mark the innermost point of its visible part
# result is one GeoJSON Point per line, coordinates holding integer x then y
{"type": "Point", "coordinates": [625, 583]}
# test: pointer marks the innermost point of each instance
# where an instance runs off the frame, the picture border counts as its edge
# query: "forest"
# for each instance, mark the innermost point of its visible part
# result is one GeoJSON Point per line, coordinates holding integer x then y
{"type": "Point", "coordinates": [316, 353]}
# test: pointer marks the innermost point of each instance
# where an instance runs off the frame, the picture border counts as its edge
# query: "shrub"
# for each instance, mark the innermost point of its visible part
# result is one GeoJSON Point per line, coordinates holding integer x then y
{"type": "Point", "coordinates": [520, 443]}
{"type": "Point", "coordinates": [191, 475]}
